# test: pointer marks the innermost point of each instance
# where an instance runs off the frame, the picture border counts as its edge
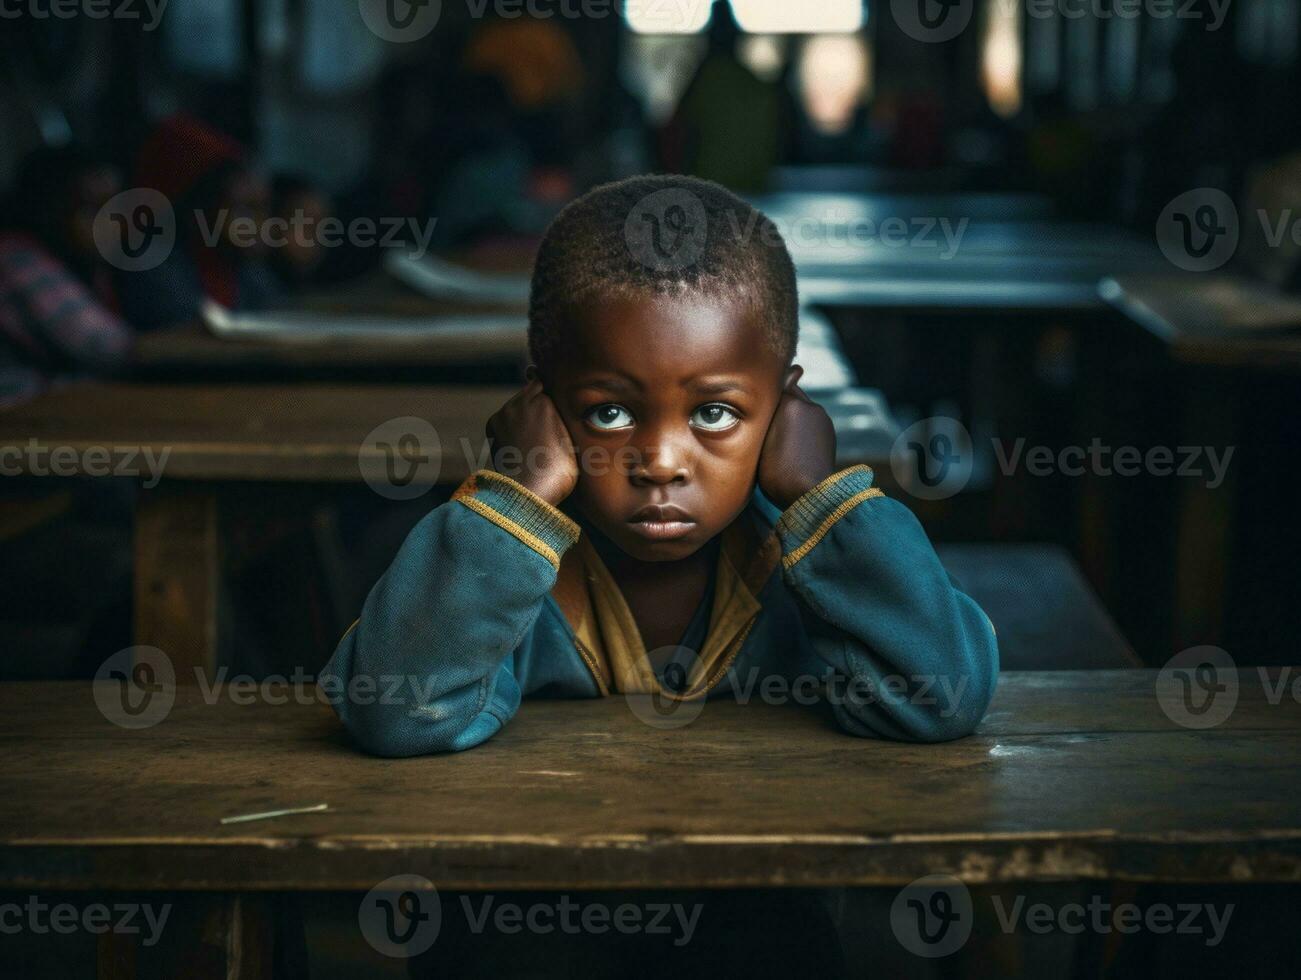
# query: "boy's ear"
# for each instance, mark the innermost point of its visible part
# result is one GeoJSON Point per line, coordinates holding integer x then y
{"type": "Point", "coordinates": [792, 377]}
{"type": "Point", "coordinates": [531, 373]}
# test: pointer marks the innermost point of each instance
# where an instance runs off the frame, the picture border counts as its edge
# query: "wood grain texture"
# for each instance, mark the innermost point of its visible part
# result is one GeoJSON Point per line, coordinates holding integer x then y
{"type": "Point", "coordinates": [177, 575]}
{"type": "Point", "coordinates": [1072, 775]}
{"type": "Point", "coordinates": [191, 346]}
{"type": "Point", "coordinates": [281, 432]}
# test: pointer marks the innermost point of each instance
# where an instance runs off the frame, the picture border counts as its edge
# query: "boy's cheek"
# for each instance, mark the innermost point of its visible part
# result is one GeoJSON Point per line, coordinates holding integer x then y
{"type": "Point", "coordinates": [597, 461]}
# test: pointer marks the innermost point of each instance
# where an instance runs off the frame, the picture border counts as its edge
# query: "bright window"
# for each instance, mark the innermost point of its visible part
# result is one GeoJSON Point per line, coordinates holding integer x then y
{"type": "Point", "coordinates": [667, 16]}
{"type": "Point", "coordinates": [754, 16]}
{"type": "Point", "coordinates": [799, 16]}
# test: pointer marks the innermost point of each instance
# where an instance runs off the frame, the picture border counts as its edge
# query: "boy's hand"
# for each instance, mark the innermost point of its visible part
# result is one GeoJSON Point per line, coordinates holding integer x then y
{"type": "Point", "coordinates": [799, 451]}
{"type": "Point", "coordinates": [531, 445]}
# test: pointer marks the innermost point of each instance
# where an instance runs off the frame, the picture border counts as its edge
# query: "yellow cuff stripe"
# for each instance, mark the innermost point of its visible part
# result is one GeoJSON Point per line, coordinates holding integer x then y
{"type": "Point", "coordinates": [788, 561]}
{"type": "Point", "coordinates": [514, 486]}
{"type": "Point", "coordinates": [532, 540]}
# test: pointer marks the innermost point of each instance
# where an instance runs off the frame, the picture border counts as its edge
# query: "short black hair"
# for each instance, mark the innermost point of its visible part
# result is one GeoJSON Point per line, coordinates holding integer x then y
{"type": "Point", "coordinates": [611, 242]}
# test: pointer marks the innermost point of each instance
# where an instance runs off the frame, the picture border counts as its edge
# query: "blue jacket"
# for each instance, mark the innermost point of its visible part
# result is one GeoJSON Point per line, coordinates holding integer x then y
{"type": "Point", "coordinates": [496, 595]}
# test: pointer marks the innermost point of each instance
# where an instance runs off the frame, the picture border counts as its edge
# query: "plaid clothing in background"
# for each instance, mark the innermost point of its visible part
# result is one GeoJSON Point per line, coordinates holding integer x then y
{"type": "Point", "coordinates": [50, 322]}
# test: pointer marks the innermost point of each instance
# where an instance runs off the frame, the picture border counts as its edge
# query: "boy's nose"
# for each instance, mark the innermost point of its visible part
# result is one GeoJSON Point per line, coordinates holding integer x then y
{"type": "Point", "coordinates": [663, 463]}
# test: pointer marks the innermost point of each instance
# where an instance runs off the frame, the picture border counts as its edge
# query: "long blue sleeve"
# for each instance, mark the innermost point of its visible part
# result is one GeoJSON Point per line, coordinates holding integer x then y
{"type": "Point", "coordinates": [427, 667]}
{"type": "Point", "coordinates": [912, 657]}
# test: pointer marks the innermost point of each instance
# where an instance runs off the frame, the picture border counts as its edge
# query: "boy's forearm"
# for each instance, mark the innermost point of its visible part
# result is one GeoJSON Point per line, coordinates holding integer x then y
{"type": "Point", "coordinates": [427, 666]}
{"type": "Point", "coordinates": [918, 658]}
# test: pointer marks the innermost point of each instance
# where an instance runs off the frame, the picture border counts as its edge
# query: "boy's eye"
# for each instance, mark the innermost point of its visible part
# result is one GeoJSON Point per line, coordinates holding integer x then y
{"type": "Point", "coordinates": [714, 417]}
{"type": "Point", "coordinates": [609, 417]}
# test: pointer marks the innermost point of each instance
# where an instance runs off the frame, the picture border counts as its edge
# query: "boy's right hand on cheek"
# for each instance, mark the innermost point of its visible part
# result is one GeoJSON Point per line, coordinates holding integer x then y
{"type": "Point", "coordinates": [530, 444]}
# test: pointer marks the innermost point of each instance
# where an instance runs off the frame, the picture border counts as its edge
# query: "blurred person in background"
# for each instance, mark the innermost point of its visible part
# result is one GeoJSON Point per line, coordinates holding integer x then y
{"type": "Point", "coordinates": [58, 313]}
{"type": "Point", "coordinates": [507, 145]}
{"type": "Point", "coordinates": [833, 78]}
{"type": "Point", "coordinates": [214, 191]}
{"type": "Point", "coordinates": [728, 125]}
{"type": "Point", "coordinates": [302, 261]}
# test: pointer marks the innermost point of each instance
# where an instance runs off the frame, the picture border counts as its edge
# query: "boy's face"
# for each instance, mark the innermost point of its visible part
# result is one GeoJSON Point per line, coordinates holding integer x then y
{"type": "Point", "coordinates": [668, 400]}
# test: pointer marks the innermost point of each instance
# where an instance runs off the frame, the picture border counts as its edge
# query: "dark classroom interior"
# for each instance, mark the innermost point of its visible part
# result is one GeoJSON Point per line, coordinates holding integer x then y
{"type": "Point", "coordinates": [264, 278]}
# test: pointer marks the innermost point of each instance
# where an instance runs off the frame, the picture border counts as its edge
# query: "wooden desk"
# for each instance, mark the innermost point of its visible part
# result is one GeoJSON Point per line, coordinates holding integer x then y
{"type": "Point", "coordinates": [858, 207]}
{"type": "Point", "coordinates": [1217, 320]}
{"type": "Point", "coordinates": [279, 432]}
{"type": "Point", "coordinates": [212, 439]}
{"type": "Point", "coordinates": [179, 350]}
{"type": "Point", "coordinates": [494, 342]}
{"type": "Point", "coordinates": [1226, 332]}
{"type": "Point", "coordinates": [846, 257]}
{"type": "Point", "coordinates": [1072, 775]}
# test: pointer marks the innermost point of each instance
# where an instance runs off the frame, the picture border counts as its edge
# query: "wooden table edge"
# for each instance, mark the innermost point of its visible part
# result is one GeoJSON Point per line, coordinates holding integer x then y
{"type": "Point", "coordinates": [346, 864]}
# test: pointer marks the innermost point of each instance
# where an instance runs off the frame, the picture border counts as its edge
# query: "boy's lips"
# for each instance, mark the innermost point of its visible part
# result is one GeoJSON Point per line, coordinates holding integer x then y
{"type": "Point", "coordinates": [662, 522]}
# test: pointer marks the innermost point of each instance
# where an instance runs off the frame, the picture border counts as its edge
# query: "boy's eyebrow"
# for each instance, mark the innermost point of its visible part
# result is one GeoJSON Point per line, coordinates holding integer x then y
{"type": "Point", "coordinates": [717, 386]}
{"type": "Point", "coordinates": [707, 386]}
{"type": "Point", "coordinates": [609, 383]}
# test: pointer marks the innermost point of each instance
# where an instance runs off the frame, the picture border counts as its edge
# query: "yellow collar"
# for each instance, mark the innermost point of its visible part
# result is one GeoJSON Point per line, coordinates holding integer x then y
{"type": "Point", "coordinates": [607, 636]}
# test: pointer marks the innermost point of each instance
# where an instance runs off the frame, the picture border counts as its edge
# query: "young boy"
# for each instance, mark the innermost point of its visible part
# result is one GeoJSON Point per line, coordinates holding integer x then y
{"type": "Point", "coordinates": [662, 393]}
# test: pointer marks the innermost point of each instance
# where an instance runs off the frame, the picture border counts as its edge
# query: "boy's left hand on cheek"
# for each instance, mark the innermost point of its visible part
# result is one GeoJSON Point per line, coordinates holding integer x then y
{"type": "Point", "coordinates": [799, 451]}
